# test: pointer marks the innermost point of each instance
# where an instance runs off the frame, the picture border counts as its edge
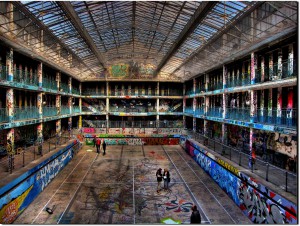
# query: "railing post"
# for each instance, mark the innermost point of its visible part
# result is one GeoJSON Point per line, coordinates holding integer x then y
{"type": "Point", "coordinates": [267, 172]}
{"type": "Point", "coordinates": [286, 180]}
{"type": "Point", "coordinates": [23, 153]}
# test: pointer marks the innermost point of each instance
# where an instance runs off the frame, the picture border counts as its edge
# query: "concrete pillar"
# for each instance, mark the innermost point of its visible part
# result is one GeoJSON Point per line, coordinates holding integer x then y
{"type": "Point", "coordinates": [26, 74]}
{"type": "Point", "coordinates": [58, 80]}
{"type": "Point", "coordinates": [194, 124]}
{"type": "Point", "coordinates": [224, 104]}
{"type": "Point", "coordinates": [262, 107]}
{"type": "Point", "coordinates": [279, 106]}
{"type": "Point", "coordinates": [184, 103]}
{"type": "Point", "coordinates": [80, 104]}
{"type": "Point", "coordinates": [10, 104]}
{"type": "Point", "coordinates": [40, 74]}
{"type": "Point", "coordinates": [58, 128]}
{"type": "Point", "coordinates": [253, 67]}
{"type": "Point", "coordinates": [205, 128]}
{"type": "Point", "coordinates": [70, 104]}
{"type": "Point", "coordinates": [42, 41]}
{"type": "Point", "coordinates": [225, 75]}
{"type": "Point", "coordinates": [271, 66]}
{"type": "Point", "coordinates": [80, 122]}
{"type": "Point", "coordinates": [21, 73]}
{"type": "Point", "coordinates": [233, 77]}
{"type": "Point", "coordinates": [9, 64]}
{"type": "Point", "coordinates": [206, 82]}
{"type": "Point", "coordinates": [69, 125]}
{"type": "Point", "coordinates": [224, 133]}
{"type": "Point", "coordinates": [58, 104]}
{"type": "Point", "coordinates": [262, 68]}
{"type": "Point", "coordinates": [80, 88]}
{"type": "Point", "coordinates": [270, 105]}
{"type": "Point", "coordinates": [194, 105]}
{"type": "Point", "coordinates": [194, 85]}
{"type": "Point", "coordinates": [40, 137]}
{"type": "Point", "coordinates": [31, 79]}
{"type": "Point", "coordinates": [238, 77]}
{"type": "Point", "coordinates": [251, 149]}
{"type": "Point", "coordinates": [253, 106]}
{"type": "Point", "coordinates": [290, 61]}
{"type": "Point", "coordinates": [70, 84]}
{"type": "Point", "coordinates": [107, 105]}
{"type": "Point", "coordinates": [279, 64]}
{"type": "Point", "coordinates": [243, 73]}
{"type": "Point", "coordinates": [40, 104]}
{"type": "Point", "coordinates": [290, 106]}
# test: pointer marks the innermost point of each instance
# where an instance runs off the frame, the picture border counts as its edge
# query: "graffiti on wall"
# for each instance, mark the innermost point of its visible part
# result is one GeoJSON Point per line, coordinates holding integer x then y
{"type": "Point", "coordinates": [131, 70]}
{"type": "Point", "coordinates": [258, 202]}
{"type": "Point", "coordinates": [16, 200]}
{"type": "Point", "coordinates": [142, 141]}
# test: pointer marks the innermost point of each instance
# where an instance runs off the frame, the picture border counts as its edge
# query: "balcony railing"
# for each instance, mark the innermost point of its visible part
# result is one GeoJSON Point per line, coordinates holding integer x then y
{"type": "Point", "coordinates": [141, 124]}
{"type": "Point", "coordinates": [242, 114]}
{"type": "Point", "coordinates": [64, 87]}
{"type": "Point", "coordinates": [75, 91]}
{"type": "Point", "coordinates": [215, 86]}
{"type": "Point", "coordinates": [215, 112]}
{"type": "Point", "coordinates": [3, 72]}
{"type": "Point", "coordinates": [49, 83]}
{"type": "Point", "coordinates": [136, 109]}
{"type": "Point", "coordinates": [199, 111]}
{"type": "Point", "coordinates": [24, 77]}
{"type": "Point", "coordinates": [49, 111]}
{"type": "Point", "coordinates": [76, 109]}
{"type": "Point", "coordinates": [3, 115]}
{"type": "Point", "coordinates": [24, 113]}
{"type": "Point", "coordinates": [65, 110]}
{"type": "Point", "coordinates": [189, 110]}
{"type": "Point", "coordinates": [283, 117]}
{"type": "Point", "coordinates": [91, 92]}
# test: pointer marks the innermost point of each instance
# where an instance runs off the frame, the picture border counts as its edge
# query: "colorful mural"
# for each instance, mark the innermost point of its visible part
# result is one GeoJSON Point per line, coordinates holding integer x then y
{"type": "Point", "coordinates": [20, 193]}
{"type": "Point", "coordinates": [131, 70]}
{"type": "Point", "coordinates": [137, 141]}
{"type": "Point", "coordinates": [258, 202]}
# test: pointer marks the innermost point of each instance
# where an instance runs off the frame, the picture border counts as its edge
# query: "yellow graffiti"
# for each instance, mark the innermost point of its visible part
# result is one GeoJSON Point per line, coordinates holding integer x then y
{"type": "Point", "coordinates": [11, 210]}
{"type": "Point", "coordinates": [104, 195]}
{"type": "Point", "coordinates": [228, 166]}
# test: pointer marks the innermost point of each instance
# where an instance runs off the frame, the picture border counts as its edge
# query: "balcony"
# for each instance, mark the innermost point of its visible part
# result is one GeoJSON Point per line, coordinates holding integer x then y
{"type": "Point", "coordinates": [49, 111]}
{"type": "Point", "coordinates": [200, 111]}
{"type": "Point", "coordinates": [64, 110]}
{"type": "Point", "coordinates": [24, 77]}
{"type": "Point", "coordinates": [3, 115]}
{"type": "Point", "coordinates": [93, 92]}
{"type": "Point", "coordinates": [76, 109]}
{"type": "Point", "coordinates": [24, 113]}
{"type": "Point", "coordinates": [49, 83]}
{"type": "Point", "coordinates": [283, 117]}
{"type": "Point", "coordinates": [241, 114]}
{"type": "Point", "coordinates": [189, 110]}
{"type": "Point", "coordinates": [215, 112]}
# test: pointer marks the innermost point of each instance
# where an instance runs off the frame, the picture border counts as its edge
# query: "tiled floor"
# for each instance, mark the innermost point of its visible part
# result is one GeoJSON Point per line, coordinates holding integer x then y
{"type": "Point", "coordinates": [120, 188]}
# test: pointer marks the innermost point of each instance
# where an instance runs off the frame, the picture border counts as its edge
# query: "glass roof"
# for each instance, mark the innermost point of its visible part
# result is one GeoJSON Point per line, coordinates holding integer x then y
{"type": "Point", "coordinates": [169, 35]}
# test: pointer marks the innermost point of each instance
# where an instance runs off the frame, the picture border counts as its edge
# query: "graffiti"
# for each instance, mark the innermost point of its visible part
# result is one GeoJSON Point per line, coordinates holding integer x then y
{"type": "Point", "coordinates": [120, 70]}
{"type": "Point", "coordinates": [254, 199]}
{"type": "Point", "coordinates": [46, 174]}
{"type": "Point", "coordinates": [228, 166]}
{"type": "Point", "coordinates": [132, 70]}
{"type": "Point", "coordinates": [88, 130]}
{"type": "Point", "coordinates": [10, 211]}
{"type": "Point", "coordinates": [260, 209]}
{"type": "Point", "coordinates": [177, 205]}
{"type": "Point", "coordinates": [142, 141]}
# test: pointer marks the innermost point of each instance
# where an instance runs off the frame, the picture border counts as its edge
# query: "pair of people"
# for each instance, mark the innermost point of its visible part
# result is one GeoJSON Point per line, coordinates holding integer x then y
{"type": "Point", "coordinates": [165, 175]}
{"type": "Point", "coordinates": [100, 145]}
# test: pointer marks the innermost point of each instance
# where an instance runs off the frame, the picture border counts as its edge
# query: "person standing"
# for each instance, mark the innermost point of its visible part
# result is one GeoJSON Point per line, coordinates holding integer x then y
{"type": "Point", "coordinates": [166, 176]}
{"type": "Point", "coordinates": [159, 179]}
{"type": "Point", "coordinates": [94, 140]}
{"type": "Point", "coordinates": [104, 146]}
{"type": "Point", "coordinates": [98, 143]}
{"type": "Point", "coordinates": [195, 216]}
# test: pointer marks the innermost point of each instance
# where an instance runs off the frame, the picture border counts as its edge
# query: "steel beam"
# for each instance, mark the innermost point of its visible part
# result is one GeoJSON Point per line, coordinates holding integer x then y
{"type": "Point", "coordinates": [75, 20]}
{"type": "Point", "coordinates": [199, 15]}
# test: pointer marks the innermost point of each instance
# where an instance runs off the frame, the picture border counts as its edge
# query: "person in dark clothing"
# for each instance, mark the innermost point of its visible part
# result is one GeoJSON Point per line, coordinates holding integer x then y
{"type": "Point", "coordinates": [104, 146]}
{"type": "Point", "coordinates": [94, 141]}
{"type": "Point", "coordinates": [166, 176]}
{"type": "Point", "coordinates": [159, 179]}
{"type": "Point", "coordinates": [195, 216]}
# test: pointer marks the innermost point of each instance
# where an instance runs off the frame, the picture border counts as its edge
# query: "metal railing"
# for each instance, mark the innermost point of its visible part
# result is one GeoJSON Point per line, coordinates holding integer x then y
{"type": "Point", "coordinates": [49, 111]}
{"type": "Point", "coordinates": [4, 115]}
{"type": "Point", "coordinates": [215, 112]}
{"type": "Point", "coordinates": [24, 77]}
{"type": "Point", "coordinates": [64, 110]}
{"type": "Point", "coordinates": [30, 151]}
{"type": "Point", "coordinates": [75, 91]}
{"type": "Point", "coordinates": [283, 117]}
{"type": "Point", "coordinates": [133, 124]}
{"type": "Point", "coordinates": [23, 113]}
{"type": "Point", "coordinates": [284, 179]}
{"type": "Point", "coordinates": [64, 87]}
{"type": "Point", "coordinates": [49, 83]}
{"type": "Point", "coordinates": [189, 110]}
{"type": "Point", "coordinates": [215, 86]}
{"type": "Point", "coordinates": [93, 92]}
{"type": "Point", "coordinates": [200, 111]}
{"type": "Point", "coordinates": [76, 109]}
{"type": "Point", "coordinates": [242, 114]}
{"type": "Point", "coordinates": [3, 72]}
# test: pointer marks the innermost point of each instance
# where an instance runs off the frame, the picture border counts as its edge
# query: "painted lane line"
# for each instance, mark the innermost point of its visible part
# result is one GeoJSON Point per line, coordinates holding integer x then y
{"type": "Point", "coordinates": [186, 185]}
{"type": "Point", "coordinates": [58, 189]}
{"type": "Point", "coordinates": [75, 193]}
{"type": "Point", "coordinates": [207, 187]}
{"type": "Point", "coordinates": [133, 192]}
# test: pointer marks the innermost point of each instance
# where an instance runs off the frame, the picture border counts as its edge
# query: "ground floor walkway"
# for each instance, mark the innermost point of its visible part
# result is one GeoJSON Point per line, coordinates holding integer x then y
{"type": "Point", "coordinates": [120, 188]}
